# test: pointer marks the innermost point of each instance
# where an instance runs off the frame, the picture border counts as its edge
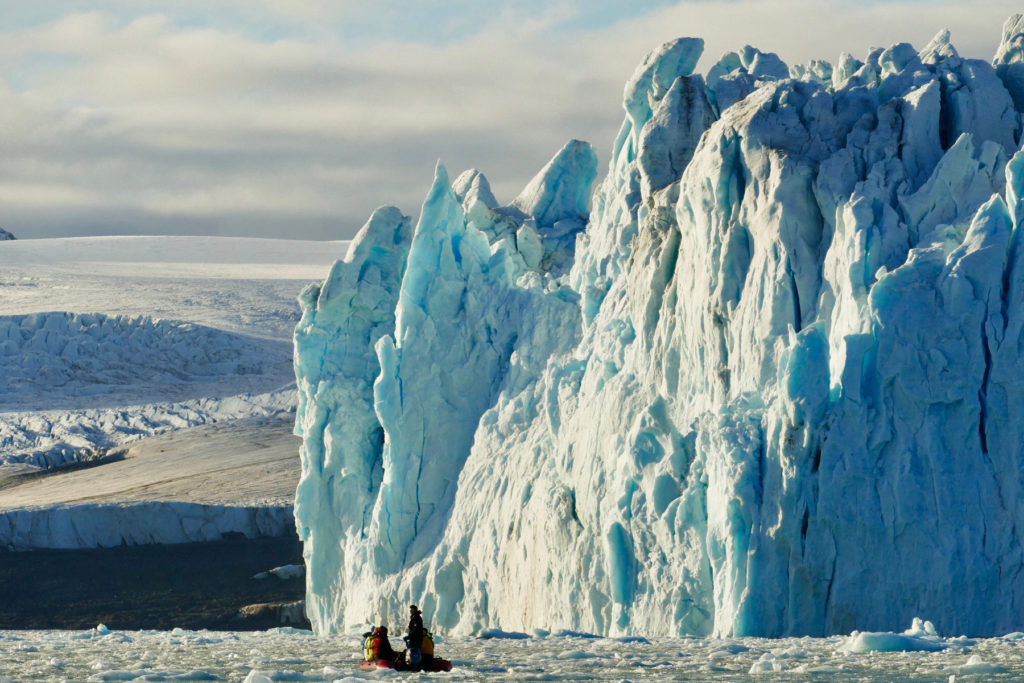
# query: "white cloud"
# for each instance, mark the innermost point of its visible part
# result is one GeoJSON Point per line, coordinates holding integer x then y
{"type": "Point", "coordinates": [799, 30]}
{"type": "Point", "coordinates": [149, 118]}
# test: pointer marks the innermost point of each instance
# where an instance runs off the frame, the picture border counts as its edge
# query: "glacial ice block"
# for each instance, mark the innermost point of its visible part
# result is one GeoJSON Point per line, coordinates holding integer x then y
{"type": "Point", "coordinates": [1009, 59]}
{"type": "Point", "coordinates": [335, 367]}
{"type": "Point", "coordinates": [398, 354]}
{"type": "Point", "coordinates": [562, 188]}
{"type": "Point", "coordinates": [774, 390]}
{"type": "Point", "coordinates": [653, 78]}
{"type": "Point", "coordinates": [737, 74]}
{"type": "Point", "coordinates": [670, 136]}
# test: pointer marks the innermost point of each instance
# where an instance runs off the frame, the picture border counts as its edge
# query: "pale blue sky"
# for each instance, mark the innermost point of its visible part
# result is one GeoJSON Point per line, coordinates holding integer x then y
{"type": "Point", "coordinates": [295, 118]}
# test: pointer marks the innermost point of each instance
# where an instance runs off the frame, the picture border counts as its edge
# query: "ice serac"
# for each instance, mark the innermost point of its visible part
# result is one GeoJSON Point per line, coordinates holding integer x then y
{"type": "Point", "coordinates": [561, 191]}
{"type": "Point", "coordinates": [1009, 59]}
{"type": "Point", "coordinates": [401, 352]}
{"type": "Point", "coordinates": [335, 367]}
{"type": "Point", "coordinates": [770, 389]}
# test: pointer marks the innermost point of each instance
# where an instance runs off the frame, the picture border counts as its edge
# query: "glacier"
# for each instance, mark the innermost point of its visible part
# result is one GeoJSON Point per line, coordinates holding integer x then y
{"type": "Point", "coordinates": [764, 382]}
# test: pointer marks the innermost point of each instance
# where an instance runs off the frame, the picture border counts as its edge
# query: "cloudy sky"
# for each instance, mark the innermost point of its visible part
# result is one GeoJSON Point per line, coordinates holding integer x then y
{"type": "Point", "coordinates": [295, 118]}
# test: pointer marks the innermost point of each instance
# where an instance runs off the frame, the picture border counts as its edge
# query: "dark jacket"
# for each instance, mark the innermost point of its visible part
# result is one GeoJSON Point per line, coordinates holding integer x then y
{"type": "Point", "coordinates": [415, 637]}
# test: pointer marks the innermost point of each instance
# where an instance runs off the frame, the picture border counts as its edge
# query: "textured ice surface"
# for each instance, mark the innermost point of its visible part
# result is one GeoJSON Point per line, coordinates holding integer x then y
{"type": "Point", "coordinates": [51, 438]}
{"type": "Point", "coordinates": [107, 339]}
{"type": "Point", "coordinates": [184, 337]}
{"type": "Point", "coordinates": [291, 655]}
{"type": "Point", "coordinates": [73, 360]}
{"type": "Point", "coordinates": [772, 388]}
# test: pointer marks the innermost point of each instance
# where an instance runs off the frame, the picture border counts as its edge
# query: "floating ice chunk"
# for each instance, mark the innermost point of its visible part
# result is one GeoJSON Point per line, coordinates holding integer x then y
{"type": "Point", "coordinates": [286, 572]}
{"type": "Point", "coordinates": [569, 633]}
{"type": "Point", "coordinates": [489, 633]}
{"type": "Point", "coordinates": [919, 627]}
{"type": "Point", "coordinates": [289, 571]}
{"type": "Point", "coordinates": [261, 677]}
{"type": "Point", "coordinates": [860, 643]}
{"type": "Point", "coordinates": [768, 663]}
{"type": "Point", "coordinates": [727, 650]}
{"type": "Point", "coordinates": [817, 669]}
{"type": "Point", "coordinates": [976, 665]}
{"type": "Point", "coordinates": [580, 654]}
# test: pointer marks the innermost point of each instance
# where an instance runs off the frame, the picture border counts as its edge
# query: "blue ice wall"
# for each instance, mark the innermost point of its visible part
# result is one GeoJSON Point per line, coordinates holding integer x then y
{"type": "Point", "coordinates": [764, 382]}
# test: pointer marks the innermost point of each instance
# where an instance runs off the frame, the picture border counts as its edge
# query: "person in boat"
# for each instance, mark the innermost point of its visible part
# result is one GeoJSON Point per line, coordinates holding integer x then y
{"type": "Point", "coordinates": [378, 646]}
{"type": "Point", "coordinates": [414, 639]}
{"type": "Point", "coordinates": [427, 648]}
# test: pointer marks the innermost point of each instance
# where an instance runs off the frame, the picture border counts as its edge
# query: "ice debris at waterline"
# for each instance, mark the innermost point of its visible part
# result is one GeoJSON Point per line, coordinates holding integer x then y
{"type": "Point", "coordinates": [288, 654]}
{"type": "Point", "coordinates": [768, 385]}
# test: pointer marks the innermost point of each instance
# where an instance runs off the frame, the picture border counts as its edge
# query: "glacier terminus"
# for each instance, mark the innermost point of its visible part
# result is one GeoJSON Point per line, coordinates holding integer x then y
{"type": "Point", "coordinates": [767, 378]}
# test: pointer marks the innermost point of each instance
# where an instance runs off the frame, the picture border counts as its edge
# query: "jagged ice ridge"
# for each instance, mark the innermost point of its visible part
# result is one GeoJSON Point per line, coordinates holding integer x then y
{"type": "Point", "coordinates": [767, 384]}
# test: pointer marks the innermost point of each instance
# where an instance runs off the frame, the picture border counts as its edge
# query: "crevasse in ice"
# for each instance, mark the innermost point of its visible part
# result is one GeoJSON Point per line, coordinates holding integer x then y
{"type": "Point", "coordinates": [769, 385]}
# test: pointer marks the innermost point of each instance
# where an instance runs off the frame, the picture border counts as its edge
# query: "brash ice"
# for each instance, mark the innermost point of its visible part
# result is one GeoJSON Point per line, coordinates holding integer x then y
{"type": "Point", "coordinates": [768, 383]}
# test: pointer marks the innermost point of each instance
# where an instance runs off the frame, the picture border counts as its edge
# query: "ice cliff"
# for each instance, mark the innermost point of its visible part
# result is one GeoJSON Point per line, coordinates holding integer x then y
{"type": "Point", "coordinates": [766, 383]}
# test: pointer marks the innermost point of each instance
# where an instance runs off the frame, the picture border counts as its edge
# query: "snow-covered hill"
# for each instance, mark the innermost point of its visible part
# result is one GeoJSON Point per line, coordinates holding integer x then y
{"type": "Point", "coordinates": [108, 341]}
{"type": "Point", "coordinates": [777, 391]}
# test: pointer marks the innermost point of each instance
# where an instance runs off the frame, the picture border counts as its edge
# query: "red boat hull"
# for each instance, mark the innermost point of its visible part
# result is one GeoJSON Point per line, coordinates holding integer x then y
{"type": "Point", "coordinates": [433, 665]}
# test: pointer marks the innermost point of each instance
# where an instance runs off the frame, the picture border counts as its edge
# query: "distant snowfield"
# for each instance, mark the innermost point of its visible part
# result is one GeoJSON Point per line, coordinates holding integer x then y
{"type": "Point", "coordinates": [244, 285]}
{"type": "Point", "coordinates": [285, 257]}
{"type": "Point", "coordinates": [110, 341]}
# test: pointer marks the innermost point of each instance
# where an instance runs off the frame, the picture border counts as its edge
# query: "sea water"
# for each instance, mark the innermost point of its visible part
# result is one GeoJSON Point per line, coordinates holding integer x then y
{"type": "Point", "coordinates": [294, 655]}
